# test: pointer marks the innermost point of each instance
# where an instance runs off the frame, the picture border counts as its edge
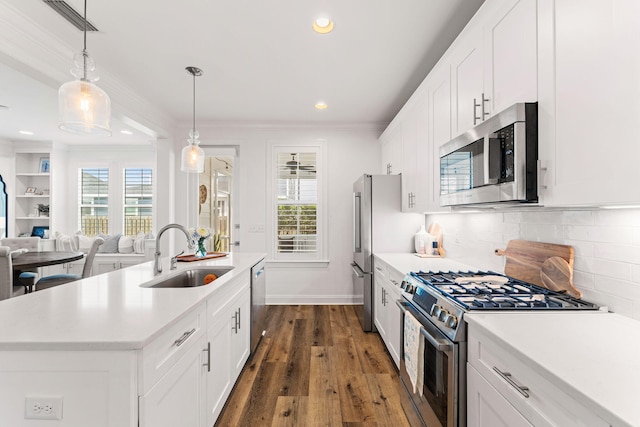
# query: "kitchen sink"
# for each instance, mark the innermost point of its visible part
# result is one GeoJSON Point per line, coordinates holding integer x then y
{"type": "Point", "coordinates": [189, 278]}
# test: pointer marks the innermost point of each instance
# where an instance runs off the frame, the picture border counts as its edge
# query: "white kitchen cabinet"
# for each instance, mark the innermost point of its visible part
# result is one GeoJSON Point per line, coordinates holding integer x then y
{"type": "Point", "coordinates": [439, 130]}
{"type": "Point", "coordinates": [228, 336]}
{"type": "Point", "coordinates": [387, 315]}
{"type": "Point", "coordinates": [391, 147]}
{"type": "Point", "coordinates": [510, 384]}
{"type": "Point", "coordinates": [179, 397]}
{"type": "Point", "coordinates": [493, 62]}
{"type": "Point", "coordinates": [589, 102]}
{"type": "Point", "coordinates": [485, 406]}
{"type": "Point", "coordinates": [104, 263]}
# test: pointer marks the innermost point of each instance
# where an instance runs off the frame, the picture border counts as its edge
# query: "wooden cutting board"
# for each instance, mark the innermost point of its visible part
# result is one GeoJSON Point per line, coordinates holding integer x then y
{"type": "Point", "coordinates": [524, 258]}
{"type": "Point", "coordinates": [193, 257]}
{"type": "Point", "coordinates": [558, 276]}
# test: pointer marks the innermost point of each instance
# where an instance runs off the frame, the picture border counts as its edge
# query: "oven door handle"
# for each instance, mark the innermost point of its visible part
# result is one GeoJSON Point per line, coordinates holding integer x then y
{"type": "Point", "coordinates": [440, 345]}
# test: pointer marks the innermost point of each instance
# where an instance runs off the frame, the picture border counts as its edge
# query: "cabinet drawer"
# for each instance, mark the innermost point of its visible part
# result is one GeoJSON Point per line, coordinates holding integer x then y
{"type": "Point", "coordinates": [164, 351]}
{"type": "Point", "coordinates": [379, 268]}
{"type": "Point", "coordinates": [395, 277]}
{"type": "Point", "coordinates": [218, 301]}
{"type": "Point", "coordinates": [542, 403]}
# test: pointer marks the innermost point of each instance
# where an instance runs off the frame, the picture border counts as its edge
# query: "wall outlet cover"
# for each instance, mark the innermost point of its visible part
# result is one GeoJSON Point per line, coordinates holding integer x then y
{"type": "Point", "coordinates": [43, 407]}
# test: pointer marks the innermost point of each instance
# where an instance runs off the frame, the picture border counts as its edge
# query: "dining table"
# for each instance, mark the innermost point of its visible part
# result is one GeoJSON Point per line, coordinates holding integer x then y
{"type": "Point", "coordinates": [29, 261]}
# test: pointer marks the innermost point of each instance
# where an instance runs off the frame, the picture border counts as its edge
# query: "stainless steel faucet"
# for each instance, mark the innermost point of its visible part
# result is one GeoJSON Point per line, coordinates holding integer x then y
{"type": "Point", "coordinates": [157, 266]}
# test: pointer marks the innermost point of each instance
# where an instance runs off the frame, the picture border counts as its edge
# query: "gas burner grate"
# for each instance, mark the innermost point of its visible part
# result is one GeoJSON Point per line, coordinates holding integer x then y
{"type": "Point", "coordinates": [491, 295]}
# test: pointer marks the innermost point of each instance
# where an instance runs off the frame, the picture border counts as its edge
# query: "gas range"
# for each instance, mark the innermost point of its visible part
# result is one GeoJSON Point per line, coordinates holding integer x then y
{"type": "Point", "coordinates": [444, 297]}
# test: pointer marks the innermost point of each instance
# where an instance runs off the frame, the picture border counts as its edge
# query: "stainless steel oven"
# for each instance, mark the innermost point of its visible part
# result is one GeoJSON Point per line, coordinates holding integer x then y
{"type": "Point", "coordinates": [444, 372]}
{"type": "Point", "coordinates": [439, 300]}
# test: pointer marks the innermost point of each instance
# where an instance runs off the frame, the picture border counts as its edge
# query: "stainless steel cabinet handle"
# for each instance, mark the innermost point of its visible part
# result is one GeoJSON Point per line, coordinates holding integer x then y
{"type": "Point", "coordinates": [475, 109]}
{"type": "Point", "coordinates": [208, 350]}
{"type": "Point", "coordinates": [484, 113]}
{"type": "Point", "coordinates": [235, 322]}
{"type": "Point", "coordinates": [384, 298]}
{"type": "Point", "coordinates": [239, 319]}
{"type": "Point", "coordinates": [507, 377]}
{"type": "Point", "coordinates": [184, 337]}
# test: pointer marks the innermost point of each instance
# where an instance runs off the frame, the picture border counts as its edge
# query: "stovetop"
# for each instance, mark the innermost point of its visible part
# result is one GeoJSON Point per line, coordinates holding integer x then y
{"type": "Point", "coordinates": [444, 297]}
{"type": "Point", "coordinates": [498, 292]}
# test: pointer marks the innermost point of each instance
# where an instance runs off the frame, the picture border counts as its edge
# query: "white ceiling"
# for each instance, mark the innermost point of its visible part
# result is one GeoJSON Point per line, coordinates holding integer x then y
{"type": "Point", "coordinates": [261, 60]}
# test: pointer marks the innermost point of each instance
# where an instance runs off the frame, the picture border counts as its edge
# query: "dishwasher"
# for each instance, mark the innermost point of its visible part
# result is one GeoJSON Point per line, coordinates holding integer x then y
{"type": "Point", "coordinates": [258, 311]}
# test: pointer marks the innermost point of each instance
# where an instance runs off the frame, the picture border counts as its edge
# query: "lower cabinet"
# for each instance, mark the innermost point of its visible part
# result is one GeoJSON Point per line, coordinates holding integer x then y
{"type": "Point", "coordinates": [230, 332]}
{"type": "Point", "coordinates": [485, 406]}
{"type": "Point", "coordinates": [194, 390]}
{"type": "Point", "coordinates": [387, 316]}
{"type": "Point", "coordinates": [502, 390]}
{"type": "Point", "coordinates": [179, 397]}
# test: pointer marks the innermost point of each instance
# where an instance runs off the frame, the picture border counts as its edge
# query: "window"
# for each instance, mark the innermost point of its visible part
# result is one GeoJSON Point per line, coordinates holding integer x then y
{"type": "Point", "coordinates": [297, 203]}
{"type": "Point", "coordinates": [103, 209]}
{"type": "Point", "coordinates": [138, 201]}
{"type": "Point", "coordinates": [94, 200]}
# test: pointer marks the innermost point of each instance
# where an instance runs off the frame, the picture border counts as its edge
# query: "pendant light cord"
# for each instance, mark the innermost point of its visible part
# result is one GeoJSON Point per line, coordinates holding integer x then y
{"type": "Point", "coordinates": [194, 103]}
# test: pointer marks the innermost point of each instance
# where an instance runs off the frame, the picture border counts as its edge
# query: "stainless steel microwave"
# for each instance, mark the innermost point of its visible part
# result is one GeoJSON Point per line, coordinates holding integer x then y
{"type": "Point", "coordinates": [494, 162]}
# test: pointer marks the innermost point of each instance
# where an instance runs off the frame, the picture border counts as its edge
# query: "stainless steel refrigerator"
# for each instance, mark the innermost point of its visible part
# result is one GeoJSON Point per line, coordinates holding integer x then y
{"type": "Point", "coordinates": [379, 225]}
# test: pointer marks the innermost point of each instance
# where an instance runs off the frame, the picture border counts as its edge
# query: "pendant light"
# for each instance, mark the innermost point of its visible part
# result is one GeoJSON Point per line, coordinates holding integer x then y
{"type": "Point", "coordinates": [84, 108]}
{"type": "Point", "coordinates": [192, 154]}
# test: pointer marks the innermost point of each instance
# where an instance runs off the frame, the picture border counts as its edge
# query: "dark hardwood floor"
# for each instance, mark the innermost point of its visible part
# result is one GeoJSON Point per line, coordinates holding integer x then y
{"type": "Point", "coordinates": [316, 367]}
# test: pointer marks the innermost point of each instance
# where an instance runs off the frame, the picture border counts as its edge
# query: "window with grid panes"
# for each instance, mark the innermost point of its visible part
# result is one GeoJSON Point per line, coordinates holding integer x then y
{"type": "Point", "coordinates": [138, 200]}
{"type": "Point", "coordinates": [297, 203]}
{"type": "Point", "coordinates": [93, 201]}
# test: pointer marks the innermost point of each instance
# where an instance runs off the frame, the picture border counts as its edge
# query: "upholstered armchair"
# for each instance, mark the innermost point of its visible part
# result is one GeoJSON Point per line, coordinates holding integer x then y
{"type": "Point", "coordinates": [7, 288]}
{"type": "Point", "coordinates": [27, 278]}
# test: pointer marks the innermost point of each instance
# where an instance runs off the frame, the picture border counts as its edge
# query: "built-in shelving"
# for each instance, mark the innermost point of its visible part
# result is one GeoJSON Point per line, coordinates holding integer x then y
{"type": "Point", "coordinates": [32, 188]}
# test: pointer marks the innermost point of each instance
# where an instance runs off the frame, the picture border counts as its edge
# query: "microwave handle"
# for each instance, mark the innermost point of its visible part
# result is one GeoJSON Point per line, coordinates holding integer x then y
{"type": "Point", "coordinates": [493, 159]}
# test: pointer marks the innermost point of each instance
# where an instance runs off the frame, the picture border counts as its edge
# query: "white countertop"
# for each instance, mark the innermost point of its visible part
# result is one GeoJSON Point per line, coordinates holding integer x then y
{"type": "Point", "coordinates": [108, 311]}
{"type": "Point", "coordinates": [592, 357]}
{"type": "Point", "coordinates": [406, 263]}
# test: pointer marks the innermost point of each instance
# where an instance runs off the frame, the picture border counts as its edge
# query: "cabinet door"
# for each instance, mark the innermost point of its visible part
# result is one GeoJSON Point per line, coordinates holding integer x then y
{"type": "Point", "coordinates": [379, 312]}
{"type": "Point", "coordinates": [394, 326]}
{"type": "Point", "coordinates": [220, 378]}
{"type": "Point", "coordinates": [439, 93]}
{"type": "Point", "coordinates": [409, 156]}
{"type": "Point", "coordinates": [467, 80]}
{"type": "Point", "coordinates": [486, 407]}
{"type": "Point", "coordinates": [510, 55]}
{"type": "Point", "coordinates": [392, 148]}
{"type": "Point", "coordinates": [178, 398]}
{"type": "Point", "coordinates": [241, 336]}
{"type": "Point", "coordinates": [104, 266]}
{"type": "Point", "coordinates": [590, 103]}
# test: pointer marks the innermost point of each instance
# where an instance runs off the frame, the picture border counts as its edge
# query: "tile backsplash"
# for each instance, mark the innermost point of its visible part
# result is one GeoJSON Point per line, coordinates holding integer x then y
{"type": "Point", "coordinates": [606, 243]}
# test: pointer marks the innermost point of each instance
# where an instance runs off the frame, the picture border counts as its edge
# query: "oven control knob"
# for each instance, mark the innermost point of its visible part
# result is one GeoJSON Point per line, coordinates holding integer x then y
{"type": "Point", "coordinates": [435, 310]}
{"type": "Point", "coordinates": [443, 315]}
{"type": "Point", "coordinates": [450, 321]}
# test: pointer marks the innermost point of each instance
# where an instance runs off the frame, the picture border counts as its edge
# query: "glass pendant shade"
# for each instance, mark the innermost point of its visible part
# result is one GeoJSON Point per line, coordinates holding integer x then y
{"type": "Point", "coordinates": [192, 155]}
{"type": "Point", "coordinates": [84, 109]}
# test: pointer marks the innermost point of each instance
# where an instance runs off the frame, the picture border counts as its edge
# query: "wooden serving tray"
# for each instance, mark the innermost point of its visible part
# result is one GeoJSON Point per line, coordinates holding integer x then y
{"type": "Point", "coordinates": [193, 257]}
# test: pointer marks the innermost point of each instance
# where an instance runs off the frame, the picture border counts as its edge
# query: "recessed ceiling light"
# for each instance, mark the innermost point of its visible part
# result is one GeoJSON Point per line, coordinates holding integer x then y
{"type": "Point", "coordinates": [322, 25]}
{"type": "Point", "coordinates": [25, 132]}
{"type": "Point", "coordinates": [126, 132]}
{"type": "Point", "coordinates": [321, 105]}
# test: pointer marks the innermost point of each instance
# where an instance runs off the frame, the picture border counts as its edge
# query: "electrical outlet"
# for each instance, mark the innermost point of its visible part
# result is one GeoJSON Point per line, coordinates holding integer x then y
{"type": "Point", "coordinates": [43, 407]}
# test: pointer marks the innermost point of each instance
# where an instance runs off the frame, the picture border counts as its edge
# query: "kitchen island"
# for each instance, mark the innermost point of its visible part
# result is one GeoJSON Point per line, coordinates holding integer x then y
{"type": "Point", "coordinates": [106, 351]}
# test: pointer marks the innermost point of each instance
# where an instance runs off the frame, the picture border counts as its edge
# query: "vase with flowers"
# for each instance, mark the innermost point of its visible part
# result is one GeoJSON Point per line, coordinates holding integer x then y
{"type": "Point", "coordinates": [200, 235]}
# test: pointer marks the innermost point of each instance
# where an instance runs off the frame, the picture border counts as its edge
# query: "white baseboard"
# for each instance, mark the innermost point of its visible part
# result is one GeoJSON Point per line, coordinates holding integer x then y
{"type": "Point", "coordinates": [314, 300]}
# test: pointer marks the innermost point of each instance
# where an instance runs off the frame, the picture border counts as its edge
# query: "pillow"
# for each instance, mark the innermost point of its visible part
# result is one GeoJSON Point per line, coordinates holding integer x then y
{"type": "Point", "coordinates": [125, 245]}
{"type": "Point", "coordinates": [110, 245]}
{"type": "Point", "coordinates": [138, 243]}
{"type": "Point", "coordinates": [84, 243]}
{"type": "Point", "coordinates": [65, 243]}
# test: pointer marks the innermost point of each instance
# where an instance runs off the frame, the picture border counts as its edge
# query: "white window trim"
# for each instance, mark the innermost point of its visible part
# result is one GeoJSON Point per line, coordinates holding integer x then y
{"type": "Point", "coordinates": [116, 188]}
{"type": "Point", "coordinates": [273, 148]}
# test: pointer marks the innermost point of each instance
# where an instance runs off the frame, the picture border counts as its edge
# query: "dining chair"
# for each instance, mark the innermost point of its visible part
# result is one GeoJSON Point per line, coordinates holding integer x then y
{"type": "Point", "coordinates": [47, 282]}
{"type": "Point", "coordinates": [27, 278]}
{"type": "Point", "coordinates": [7, 288]}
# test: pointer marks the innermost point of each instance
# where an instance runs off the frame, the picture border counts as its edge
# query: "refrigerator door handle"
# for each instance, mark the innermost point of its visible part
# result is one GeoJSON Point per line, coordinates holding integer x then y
{"type": "Point", "coordinates": [357, 270]}
{"type": "Point", "coordinates": [357, 222]}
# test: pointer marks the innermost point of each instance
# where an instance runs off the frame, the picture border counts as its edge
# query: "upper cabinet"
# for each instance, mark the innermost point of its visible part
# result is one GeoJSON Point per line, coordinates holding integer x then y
{"type": "Point", "coordinates": [589, 102]}
{"type": "Point", "coordinates": [494, 62]}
